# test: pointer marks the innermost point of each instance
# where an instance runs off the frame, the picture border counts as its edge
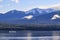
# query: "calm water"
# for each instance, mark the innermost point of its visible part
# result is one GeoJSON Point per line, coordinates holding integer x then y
{"type": "Point", "coordinates": [29, 35]}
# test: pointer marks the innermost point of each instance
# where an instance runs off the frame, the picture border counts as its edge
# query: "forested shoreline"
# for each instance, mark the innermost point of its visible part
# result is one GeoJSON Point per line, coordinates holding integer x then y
{"type": "Point", "coordinates": [30, 26]}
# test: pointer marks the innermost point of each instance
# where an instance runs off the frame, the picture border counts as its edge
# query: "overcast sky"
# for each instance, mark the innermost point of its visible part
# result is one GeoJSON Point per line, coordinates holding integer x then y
{"type": "Point", "coordinates": [23, 5]}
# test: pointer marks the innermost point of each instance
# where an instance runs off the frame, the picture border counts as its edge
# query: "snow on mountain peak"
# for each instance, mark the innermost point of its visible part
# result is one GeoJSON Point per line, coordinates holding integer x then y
{"type": "Point", "coordinates": [34, 10]}
{"type": "Point", "coordinates": [49, 10]}
{"type": "Point", "coordinates": [28, 17]}
{"type": "Point", "coordinates": [55, 17]}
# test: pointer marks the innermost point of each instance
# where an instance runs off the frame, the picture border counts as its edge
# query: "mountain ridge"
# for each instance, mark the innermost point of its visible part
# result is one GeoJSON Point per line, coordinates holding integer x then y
{"type": "Point", "coordinates": [34, 16]}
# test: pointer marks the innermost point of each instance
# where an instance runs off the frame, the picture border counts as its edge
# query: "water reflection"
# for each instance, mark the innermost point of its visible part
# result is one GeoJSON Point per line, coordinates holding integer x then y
{"type": "Point", "coordinates": [29, 35]}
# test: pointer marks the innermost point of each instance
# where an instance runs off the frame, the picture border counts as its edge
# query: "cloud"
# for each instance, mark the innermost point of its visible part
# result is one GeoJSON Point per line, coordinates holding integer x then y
{"type": "Point", "coordinates": [1, 0]}
{"type": "Point", "coordinates": [50, 6]}
{"type": "Point", "coordinates": [44, 7]}
{"type": "Point", "coordinates": [16, 1]}
{"type": "Point", "coordinates": [56, 5]}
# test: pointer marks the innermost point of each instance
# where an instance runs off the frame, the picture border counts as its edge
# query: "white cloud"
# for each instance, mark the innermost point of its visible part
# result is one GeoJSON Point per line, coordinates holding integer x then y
{"type": "Point", "coordinates": [50, 6]}
{"type": "Point", "coordinates": [55, 5]}
{"type": "Point", "coordinates": [16, 1]}
{"type": "Point", "coordinates": [44, 7]}
{"type": "Point", "coordinates": [1, 0]}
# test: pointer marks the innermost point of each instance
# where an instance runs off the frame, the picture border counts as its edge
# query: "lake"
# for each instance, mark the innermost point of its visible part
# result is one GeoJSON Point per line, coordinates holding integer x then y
{"type": "Point", "coordinates": [29, 35]}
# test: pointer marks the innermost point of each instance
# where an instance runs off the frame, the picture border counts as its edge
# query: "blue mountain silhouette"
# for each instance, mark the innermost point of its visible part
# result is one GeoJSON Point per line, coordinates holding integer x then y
{"type": "Point", "coordinates": [40, 16]}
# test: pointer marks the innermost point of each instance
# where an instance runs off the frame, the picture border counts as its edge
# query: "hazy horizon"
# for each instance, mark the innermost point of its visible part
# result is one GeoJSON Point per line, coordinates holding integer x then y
{"type": "Point", "coordinates": [24, 5]}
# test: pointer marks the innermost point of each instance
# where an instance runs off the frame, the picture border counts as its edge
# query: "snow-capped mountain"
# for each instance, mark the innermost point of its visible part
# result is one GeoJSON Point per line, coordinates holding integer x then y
{"type": "Point", "coordinates": [35, 11]}
{"type": "Point", "coordinates": [33, 16]}
{"type": "Point", "coordinates": [49, 10]}
{"type": "Point", "coordinates": [40, 11]}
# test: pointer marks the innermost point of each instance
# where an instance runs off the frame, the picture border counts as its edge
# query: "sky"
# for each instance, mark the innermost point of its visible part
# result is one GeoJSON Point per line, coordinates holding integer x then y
{"type": "Point", "coordinates": [24, 5]}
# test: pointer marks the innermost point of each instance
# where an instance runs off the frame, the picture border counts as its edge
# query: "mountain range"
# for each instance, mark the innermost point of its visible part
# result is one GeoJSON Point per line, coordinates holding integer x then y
{"type": "Point", "coordinates": [34, 16]}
